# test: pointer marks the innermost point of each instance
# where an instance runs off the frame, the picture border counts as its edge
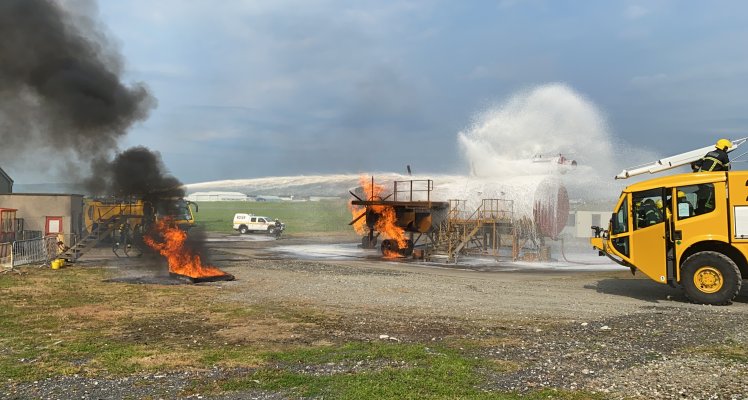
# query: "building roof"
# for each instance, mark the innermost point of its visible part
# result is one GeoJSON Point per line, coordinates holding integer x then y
{"type": "Point", "coordinates": [42, 194]}
{"type": "Point", "coordinates": [6, 176]}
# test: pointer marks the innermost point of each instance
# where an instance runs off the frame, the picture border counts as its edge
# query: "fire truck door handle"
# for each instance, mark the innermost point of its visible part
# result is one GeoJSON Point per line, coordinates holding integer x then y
{"type": "Point", "coordinates": [669, 234]}
{"type": "Point", "coordinates": [678, 235]}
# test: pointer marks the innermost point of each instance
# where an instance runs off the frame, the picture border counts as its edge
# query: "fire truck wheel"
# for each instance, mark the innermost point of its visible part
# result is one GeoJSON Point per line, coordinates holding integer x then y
{"type": "Point", "coordinates": [709, 277]}
{"type": "Point", "coordinates": [243, 230]}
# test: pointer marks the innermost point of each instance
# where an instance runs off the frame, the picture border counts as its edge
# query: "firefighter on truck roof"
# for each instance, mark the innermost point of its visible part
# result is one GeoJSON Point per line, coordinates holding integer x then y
{"type": "Point", "coordinates": [715, 160]}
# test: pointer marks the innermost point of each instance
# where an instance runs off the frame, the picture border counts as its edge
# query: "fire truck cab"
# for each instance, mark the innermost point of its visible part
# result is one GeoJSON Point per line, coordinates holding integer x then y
{"type": "Point", "coordinates": [688, 230]}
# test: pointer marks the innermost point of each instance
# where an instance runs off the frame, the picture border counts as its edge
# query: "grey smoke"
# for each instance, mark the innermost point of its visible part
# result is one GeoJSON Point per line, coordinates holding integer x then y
{"type": "Point", "coordinates": [60, 84]}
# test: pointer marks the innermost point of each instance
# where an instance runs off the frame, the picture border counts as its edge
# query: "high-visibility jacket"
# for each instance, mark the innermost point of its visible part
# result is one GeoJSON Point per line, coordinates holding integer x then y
{"type": "Point", "coordinates": [715, 160]}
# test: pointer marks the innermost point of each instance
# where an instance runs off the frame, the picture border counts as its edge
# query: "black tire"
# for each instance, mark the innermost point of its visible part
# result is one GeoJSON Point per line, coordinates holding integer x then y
{"type": "Point", "coordinates": [271, 230]}
{"type": "Point", "coordinates": [709, 277]}
{"type": "Point", "coordinates": [388, 245]}
{"type": "Point", "coordinates": [243, 230]}
{"type": "Point", "coordinates": [393, 246]}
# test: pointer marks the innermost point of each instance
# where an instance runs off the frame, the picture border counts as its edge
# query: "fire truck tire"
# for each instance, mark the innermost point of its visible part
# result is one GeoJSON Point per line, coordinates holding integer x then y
{"type": "Point", "coordinates": [243, 230]}
{"type": "Point", "coordinates": [709, 277]}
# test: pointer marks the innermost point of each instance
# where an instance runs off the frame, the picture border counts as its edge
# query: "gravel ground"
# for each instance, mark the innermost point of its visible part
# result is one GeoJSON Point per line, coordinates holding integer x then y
{"type": "Point", "coordinates": [604, 332]}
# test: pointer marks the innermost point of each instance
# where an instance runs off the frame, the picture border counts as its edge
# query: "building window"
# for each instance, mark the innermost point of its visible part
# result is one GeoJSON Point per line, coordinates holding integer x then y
{"type": "Point", "coordinates": [572, 221]}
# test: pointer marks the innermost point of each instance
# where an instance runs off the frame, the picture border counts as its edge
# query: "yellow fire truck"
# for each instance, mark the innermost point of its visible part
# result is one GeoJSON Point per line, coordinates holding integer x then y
{"type": "Point", "coordinates": [688, 230]}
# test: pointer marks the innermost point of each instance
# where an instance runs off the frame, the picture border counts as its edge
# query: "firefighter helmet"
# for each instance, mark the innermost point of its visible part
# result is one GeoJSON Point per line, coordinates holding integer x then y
{"type": "Point", "coordinates": [658, 203]}
{"type": "Point", "coordinates": [681, 194]}
{"type": "Point", "coordinates": [723, 144]}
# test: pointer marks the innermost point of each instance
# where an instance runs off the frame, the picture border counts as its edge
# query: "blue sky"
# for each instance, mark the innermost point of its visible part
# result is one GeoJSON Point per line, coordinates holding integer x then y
{"type": "Point", "coordinates": [264, 88]}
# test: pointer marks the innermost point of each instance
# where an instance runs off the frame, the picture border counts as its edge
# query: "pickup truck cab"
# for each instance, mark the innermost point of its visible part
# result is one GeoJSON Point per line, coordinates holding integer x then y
{"type": "Point", "coordinates": [246, 223]}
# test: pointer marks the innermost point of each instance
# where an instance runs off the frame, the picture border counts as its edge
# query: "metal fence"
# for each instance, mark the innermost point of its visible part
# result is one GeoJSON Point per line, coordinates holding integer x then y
{"type": "Point", "coordinates": [32, 251]}
{"type": "Point", "coordinates": [40, 250]}
{"type": "Point", "coordinates": [6, 255]}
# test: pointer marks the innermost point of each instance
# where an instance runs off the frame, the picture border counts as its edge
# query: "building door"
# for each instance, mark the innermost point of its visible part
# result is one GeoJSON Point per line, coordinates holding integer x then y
{"type": "Point", "coordinates": [53, 226]}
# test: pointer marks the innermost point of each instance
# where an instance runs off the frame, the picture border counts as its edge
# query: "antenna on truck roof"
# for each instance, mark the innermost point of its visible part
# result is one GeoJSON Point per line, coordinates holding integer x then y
{"type": "Point", "coordinates": [671, 162]}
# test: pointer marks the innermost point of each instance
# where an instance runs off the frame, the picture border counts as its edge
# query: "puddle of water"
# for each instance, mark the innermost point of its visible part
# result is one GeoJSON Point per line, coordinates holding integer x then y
{"type": "Point", "coordinates": [242, 238]}
{"type": "Point", "coordinates": [347, 251]}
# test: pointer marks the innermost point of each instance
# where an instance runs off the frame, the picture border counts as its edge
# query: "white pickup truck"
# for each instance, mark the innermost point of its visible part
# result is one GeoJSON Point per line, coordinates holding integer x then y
{"type": "Point", "coordinates": [246, 223]}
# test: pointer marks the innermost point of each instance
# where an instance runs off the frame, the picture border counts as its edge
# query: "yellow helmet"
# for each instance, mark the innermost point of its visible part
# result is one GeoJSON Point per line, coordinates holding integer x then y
{"type": "Point", "coordinates": [723, 144]}
{"type": "Point", "coordinates": [659, 203]}
{"type": "Point", "coordinates": [681, 194]}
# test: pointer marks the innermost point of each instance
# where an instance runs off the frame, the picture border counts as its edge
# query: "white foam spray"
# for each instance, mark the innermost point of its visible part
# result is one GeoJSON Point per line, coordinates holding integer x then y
{"type": "Point", "coordinates": [546, 120]}
{"type": "Point", "coordinates": [499, 146]}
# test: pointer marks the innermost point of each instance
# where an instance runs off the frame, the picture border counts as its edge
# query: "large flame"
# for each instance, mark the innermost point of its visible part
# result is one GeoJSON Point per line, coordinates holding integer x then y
{"type": "Point", "coordinates": [386, 223]}
{"type": "Point", "coordinates": [182, 260]}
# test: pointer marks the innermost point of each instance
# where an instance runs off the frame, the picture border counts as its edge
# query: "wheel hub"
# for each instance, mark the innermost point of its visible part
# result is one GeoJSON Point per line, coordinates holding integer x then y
{"type": "Point", "coordinates": [708, 279]}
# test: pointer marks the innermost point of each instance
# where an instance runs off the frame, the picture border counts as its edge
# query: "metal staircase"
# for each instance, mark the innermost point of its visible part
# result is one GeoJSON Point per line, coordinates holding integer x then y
{"type": "Point", "coordinates": [477, 232]}
{"type": "Point", "coordinates": [98, 232]}
{"type": "Point", "coordinates": [103, 227]}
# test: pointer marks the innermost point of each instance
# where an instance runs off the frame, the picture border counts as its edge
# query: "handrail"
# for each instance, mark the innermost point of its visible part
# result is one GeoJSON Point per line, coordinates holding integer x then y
{"type": "Point", "coordinates": [110, 213]}
{"type": "Point", "coordinates": [429, 188]}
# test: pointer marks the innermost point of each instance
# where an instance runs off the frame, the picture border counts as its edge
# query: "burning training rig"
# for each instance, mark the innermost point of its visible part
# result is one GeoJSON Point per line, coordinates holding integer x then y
{"type": "Point", "coordinates": [161, 225]}
{"type": "Point", "coordinates": [413, 225]}
{"type": "Point", "coordinates": [124, 222]}
{"type": "Point", "coordinates": [407, 217]}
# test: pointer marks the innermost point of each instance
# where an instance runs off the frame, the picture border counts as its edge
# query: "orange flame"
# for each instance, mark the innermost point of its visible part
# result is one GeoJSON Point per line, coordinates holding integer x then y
{"type": "Point", "coordinates": [182, 260]}
{"type": "Point", "coordinates": [386, 224]}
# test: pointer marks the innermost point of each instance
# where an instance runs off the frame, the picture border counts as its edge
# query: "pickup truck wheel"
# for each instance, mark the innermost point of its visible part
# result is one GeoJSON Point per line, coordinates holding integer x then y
{"type": "Point", "coordinates": [271, 230]}
{"type": "Point", "coordinates": [243, 230]}
{"type": "Point", "coordinates": [709, 277]}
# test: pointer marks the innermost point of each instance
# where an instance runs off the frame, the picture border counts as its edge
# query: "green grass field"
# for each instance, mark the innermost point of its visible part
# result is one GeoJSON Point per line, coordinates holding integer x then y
{"type": "Point", "coordinates": [57, 323]}
{"type": "Point", "coordinates": [299, 217]}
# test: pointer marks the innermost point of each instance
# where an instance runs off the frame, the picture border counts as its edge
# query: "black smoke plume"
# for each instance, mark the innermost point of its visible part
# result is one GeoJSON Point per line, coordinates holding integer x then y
{"type": "Point", "coordinates": [60, 83]}
{"type": "Point", "coordinates": [136, 172]}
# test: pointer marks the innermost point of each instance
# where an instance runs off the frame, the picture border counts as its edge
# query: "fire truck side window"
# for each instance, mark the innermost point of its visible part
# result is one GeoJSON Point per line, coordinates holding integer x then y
{"type": "Point", "coordinates": [648, 208]}
{"type": "Point", "coordinates": [621, 224]}
{"type": "Point", "coordinates": [695, 200]}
